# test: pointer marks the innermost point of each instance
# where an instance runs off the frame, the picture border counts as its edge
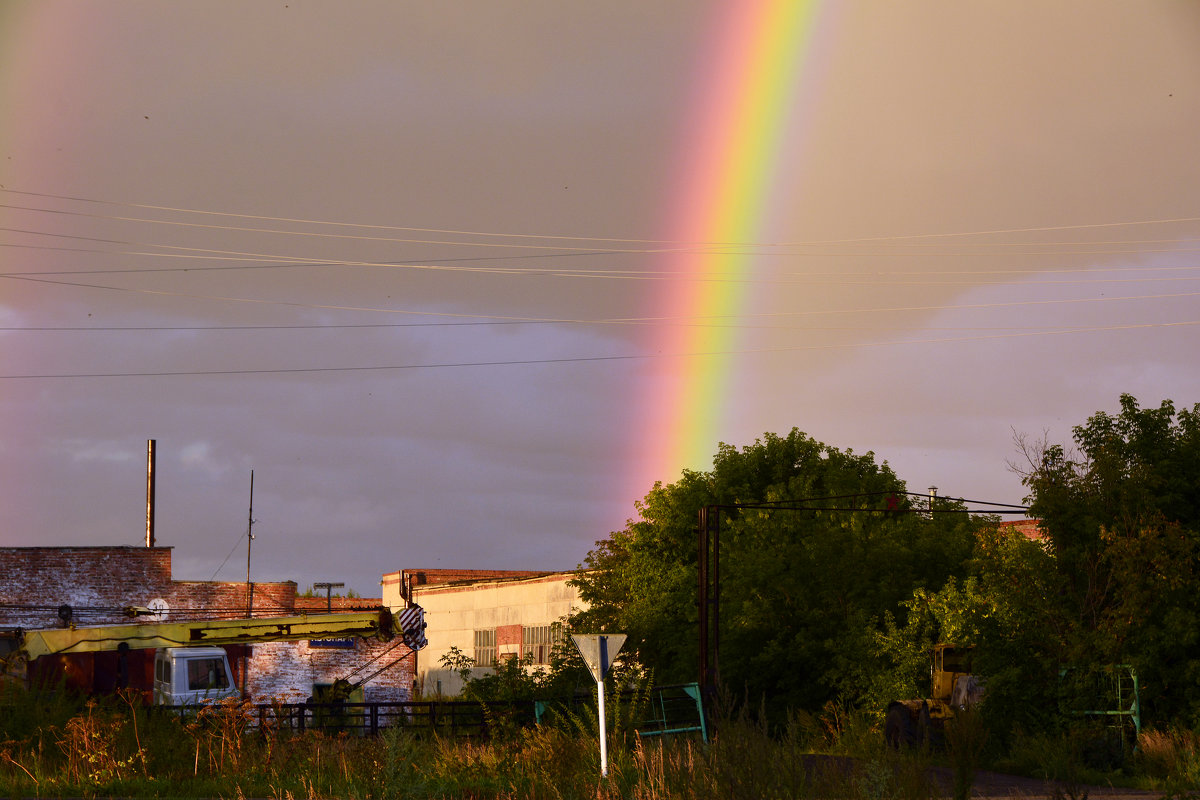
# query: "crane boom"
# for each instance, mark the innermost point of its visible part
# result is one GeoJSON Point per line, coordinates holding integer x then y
{"type": "Point", "coordinates": [377, 624]}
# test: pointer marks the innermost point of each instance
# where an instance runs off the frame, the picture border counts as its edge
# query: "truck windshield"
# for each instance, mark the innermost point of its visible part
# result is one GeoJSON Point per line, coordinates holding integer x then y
{"type": "Point", "coordinates": [955, 660]}
{"type": "Point", "coordinates": [207, 673]}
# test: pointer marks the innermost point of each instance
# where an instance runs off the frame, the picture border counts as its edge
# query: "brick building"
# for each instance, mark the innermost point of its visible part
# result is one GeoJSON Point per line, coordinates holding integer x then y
{"type": "Point", "coordinates": [487, 614]}
{"type": "Point", "coordinates": [49, 587]}
{"type": "Point", "coordinates": [1031, 529]}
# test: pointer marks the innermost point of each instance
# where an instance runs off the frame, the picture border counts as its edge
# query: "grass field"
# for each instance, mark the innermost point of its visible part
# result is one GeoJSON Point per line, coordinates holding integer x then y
{"type": "Point", "coordinates": [52, 746]}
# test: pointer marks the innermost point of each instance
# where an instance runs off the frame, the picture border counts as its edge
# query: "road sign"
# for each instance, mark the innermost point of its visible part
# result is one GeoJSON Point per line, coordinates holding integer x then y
{"type": "Point", "coordinates": [598, 651]}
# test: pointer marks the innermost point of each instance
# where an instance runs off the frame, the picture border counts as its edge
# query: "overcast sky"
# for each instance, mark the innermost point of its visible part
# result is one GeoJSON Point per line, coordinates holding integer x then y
{"type": "Point", "coordinates": [404, 261]}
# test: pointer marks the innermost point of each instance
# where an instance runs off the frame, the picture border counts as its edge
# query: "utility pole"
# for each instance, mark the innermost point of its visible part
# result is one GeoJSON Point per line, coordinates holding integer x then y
{"type": "Point", "coordinates": [249, 585]}
{"type": "Point", "coordinates": [709, 600]}
{"type": "Point", "coordinates": [249, 542]}
{"type": "Point", "coordinates": [328, 587]}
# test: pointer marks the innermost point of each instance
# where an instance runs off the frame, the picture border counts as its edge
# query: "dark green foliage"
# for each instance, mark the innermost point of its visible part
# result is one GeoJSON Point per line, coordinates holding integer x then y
{"type": "Point", "coordinates": [1115, 582]}
{"type": "Point", "coordinates": [1123, 519]}
{"type": "Point", "coordinates": [801, 591]}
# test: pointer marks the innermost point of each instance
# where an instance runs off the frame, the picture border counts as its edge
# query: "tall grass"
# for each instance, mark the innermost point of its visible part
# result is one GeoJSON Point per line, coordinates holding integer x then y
{"type": "Point", "coordinates": [51, 746]}
{"type": "Point", "coordinates": [1172, 759]}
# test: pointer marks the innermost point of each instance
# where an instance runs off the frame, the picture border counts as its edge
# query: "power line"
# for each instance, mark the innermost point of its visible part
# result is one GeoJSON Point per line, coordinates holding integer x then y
{"type": "Point", "coordinates": [560, 251]}
{"type": "Point", "coordinates": [672, 243]}
{"type": "Point", "coordinates": [967, 277]}
{"type": "Point", "coordinates": [484, 323]}
{"type": "Point", "coordinates": [229, 554]}
{"type": "Point", "coordinates": [575, 360]}
{"type": "Point", "coordinates": [608, 321]}
{"type": "Point", "coordinates": [356, 237]}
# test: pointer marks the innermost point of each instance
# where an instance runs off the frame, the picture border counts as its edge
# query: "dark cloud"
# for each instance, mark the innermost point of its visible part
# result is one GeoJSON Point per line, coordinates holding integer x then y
{"type": "Point", "coordinates": [429, 127]}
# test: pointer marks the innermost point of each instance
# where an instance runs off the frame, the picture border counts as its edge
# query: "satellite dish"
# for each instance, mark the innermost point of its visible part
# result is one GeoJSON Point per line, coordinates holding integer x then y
{"type": "Point", "coordinates": [160, 609]}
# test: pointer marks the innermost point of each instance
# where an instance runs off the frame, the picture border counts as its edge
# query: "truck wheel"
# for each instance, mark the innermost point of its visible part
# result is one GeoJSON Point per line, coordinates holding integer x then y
{"type": "Point", "coordinates": [898, 727]}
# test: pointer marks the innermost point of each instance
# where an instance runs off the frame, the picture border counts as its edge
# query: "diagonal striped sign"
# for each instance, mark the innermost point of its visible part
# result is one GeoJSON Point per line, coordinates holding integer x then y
{"type": "Point", "coordinates": [412, 627]}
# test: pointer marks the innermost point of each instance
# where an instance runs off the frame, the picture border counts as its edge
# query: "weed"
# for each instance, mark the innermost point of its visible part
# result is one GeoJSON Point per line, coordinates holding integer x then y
{"type": "Point", "coordinates": [90, 743]}
{"type": "Point", "coordinates": [966, 736]}
{"type": "Point", "coordinates": [1170, 755]}
{"type": "Point", "coordinates": [118, 748]}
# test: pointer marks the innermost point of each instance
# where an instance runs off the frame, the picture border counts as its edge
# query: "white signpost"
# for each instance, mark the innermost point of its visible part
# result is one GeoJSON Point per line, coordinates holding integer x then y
{"type": "Point", "coordinates": [598, 651]}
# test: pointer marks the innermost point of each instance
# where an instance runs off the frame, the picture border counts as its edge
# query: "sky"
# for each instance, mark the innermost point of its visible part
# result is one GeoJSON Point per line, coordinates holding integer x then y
{"type": "Point", "coordinates": [458, 282]}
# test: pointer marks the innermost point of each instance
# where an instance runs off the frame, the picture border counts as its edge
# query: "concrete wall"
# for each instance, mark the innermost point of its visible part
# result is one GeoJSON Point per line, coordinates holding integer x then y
{"type": "Point", "coordinates": [455, 611]}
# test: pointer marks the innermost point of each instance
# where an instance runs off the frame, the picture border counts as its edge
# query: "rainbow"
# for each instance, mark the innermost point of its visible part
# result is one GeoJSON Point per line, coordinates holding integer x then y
{"type": "Point", "coordinates": [741, 124]}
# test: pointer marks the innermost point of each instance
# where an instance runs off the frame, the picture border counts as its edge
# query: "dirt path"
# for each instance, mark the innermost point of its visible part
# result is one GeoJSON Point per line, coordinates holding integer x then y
{"type": "Point", "coordinates": [993, 785]}
{"type": "Point", "coordinates": [996, 785]}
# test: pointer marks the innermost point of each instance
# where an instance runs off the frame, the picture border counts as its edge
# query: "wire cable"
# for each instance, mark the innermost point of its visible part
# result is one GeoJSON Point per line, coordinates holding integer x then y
{"type": "Point", "coordinates": [230, 554]}
{"type": "Point", "coordinates": [577, 359]}
{"type": "Point", "coordinates": [673, 243]}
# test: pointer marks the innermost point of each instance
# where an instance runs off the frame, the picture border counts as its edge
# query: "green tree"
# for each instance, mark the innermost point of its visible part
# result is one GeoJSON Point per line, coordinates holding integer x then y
{"type": "Point", "coordinates": [1003, 602]}
{"type": "Point", "coordinates": [1123, 519]}
{"type": "Point", "coordinates": [801, 590]}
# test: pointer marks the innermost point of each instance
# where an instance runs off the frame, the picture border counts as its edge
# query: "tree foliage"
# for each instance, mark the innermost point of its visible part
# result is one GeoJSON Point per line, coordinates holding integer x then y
{"type": "Point", "coordinates": [1123, 519]}
{"type": "Point", "coordinates": [802, 590]}
{"type": "Point", "coordinates": [844, 597]}
{"type": "Point", "coordinates": [1114, 582]}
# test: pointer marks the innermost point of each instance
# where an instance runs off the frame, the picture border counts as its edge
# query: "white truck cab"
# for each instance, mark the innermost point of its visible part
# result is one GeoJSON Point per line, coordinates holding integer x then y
{"type": "Point", "coordinates": [186, 675]}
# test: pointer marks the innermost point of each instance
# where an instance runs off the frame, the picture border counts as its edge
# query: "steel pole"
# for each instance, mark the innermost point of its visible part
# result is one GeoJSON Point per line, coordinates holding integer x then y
{"type": "Point", "coordinates": [603, 728]}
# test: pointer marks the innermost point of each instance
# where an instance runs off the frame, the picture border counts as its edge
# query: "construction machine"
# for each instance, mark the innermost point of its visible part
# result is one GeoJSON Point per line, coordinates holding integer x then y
{"type": "Point", "coordinates": [190, 663]}
{"type": "Point", "coordinates": [953, 688]}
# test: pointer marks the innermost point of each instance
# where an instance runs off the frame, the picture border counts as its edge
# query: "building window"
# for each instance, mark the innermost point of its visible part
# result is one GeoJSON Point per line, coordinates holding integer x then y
{"type": "Point", "coordinates": [485, 648]}
{"type": "Point", "coordinates": [538, 641]}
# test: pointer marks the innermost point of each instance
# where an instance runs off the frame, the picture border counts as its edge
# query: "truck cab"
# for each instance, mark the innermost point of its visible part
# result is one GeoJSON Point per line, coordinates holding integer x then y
{"type": "Point", "coordinates": [188, 675]}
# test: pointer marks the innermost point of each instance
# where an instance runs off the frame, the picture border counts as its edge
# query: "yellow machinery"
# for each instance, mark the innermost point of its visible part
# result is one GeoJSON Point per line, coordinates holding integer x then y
{"type": "Point", "coordinates": [19, 648]}
{"type": "Point", "coordinates": [953, 687]}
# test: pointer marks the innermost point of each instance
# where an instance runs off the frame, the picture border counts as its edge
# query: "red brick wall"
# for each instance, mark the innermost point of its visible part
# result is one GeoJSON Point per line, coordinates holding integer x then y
{"type": "Point", "coordinates": [286, 671]}
{"type": "Point", "coordinates": [97, 582]}
{"type": "Point", "coordinates": [338, 603]}
{"type": "Point", "coordinates": [100, 582]}
{"type": "Point", "coordinates": [1029, 528]}
{"type": "Point", "coordinates": [425, 577]}
{"type": "Point", "coordinates": [211, 599]}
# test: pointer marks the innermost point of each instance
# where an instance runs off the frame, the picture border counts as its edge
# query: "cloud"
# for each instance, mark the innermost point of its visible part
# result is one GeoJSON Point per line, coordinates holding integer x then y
{"type": "Point", "coordinates": [446, 138]}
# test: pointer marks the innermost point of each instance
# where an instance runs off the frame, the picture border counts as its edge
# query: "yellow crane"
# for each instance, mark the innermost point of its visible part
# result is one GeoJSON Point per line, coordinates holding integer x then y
{"type": "Point", "coordinates": [190, 663]}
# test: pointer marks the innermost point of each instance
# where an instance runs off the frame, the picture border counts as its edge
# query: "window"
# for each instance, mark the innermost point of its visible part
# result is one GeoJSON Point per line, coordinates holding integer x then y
{"type": "Point", "coordinates": [538, 641]}
{"type": "Point", "coordinates": [485, 648]}
{"type": "Point", "coordinates": [206, 673]}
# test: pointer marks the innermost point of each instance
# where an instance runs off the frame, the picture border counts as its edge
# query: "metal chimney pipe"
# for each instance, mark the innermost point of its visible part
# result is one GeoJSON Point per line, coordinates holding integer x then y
{"type": "Point", "coordinates": [150, 443]}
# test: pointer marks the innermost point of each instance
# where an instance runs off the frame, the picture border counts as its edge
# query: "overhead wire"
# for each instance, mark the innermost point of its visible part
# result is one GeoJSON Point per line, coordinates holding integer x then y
{"type": "Point", "coordinates": [230, 553]}
{"type": "Point", "coordinates": [673, 243]}
{"type": "Point", "coordinates": [839, 277]}
{"type": "Point", "coordinates": [923, 277]}
{"type": "Point", "coordinates": [703, 248]}
{"type": "Point", "coordinates": [295, 261]}
{"type": "Point", "coordinates": [584, 359]}
{"type": "Point", "coordinates": [611, 320]}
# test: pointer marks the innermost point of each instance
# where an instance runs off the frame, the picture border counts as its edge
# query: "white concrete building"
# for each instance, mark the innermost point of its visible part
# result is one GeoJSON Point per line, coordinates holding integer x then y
{"type": "Point", "coordinates": [487, 614]}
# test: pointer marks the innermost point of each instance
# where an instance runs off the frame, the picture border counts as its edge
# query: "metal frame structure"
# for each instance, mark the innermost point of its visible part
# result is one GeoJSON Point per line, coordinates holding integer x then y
{"type": "Point", "coordinates": [709, 561]}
